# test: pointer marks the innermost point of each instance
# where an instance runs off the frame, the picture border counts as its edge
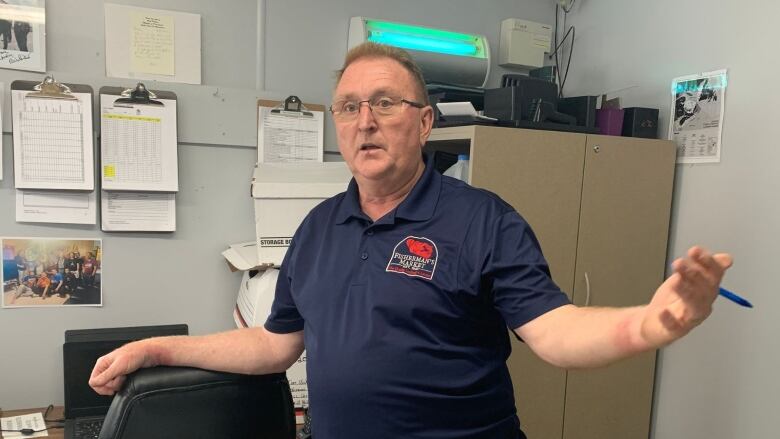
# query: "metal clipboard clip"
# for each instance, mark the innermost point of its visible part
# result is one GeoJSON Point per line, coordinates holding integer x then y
{"type": "Point", "coordinates": [51, 89]}
{"type": "Point", "coordinates": [140, 95]}
{"type": "Point", "coordinates": [292, 106]}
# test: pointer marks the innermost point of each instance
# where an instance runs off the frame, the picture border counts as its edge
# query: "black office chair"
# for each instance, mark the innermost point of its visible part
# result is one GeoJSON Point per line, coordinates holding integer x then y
{"type": "Point", "coordinates": [180, 402]}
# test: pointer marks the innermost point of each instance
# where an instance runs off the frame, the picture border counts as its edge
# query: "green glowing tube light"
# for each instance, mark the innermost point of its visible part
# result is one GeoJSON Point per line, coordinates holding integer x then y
{"type": "Point", "coordinates": [425, 39]}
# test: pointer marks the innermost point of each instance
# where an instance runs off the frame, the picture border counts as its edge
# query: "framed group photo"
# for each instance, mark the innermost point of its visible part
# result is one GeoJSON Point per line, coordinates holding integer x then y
{"type": "Point", "coordinates": [51, 272]}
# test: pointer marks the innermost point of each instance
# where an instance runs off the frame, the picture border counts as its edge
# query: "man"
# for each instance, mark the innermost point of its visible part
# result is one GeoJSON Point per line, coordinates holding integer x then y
{"type": "Point", "coordinates": [43, 285]}
{"type": "Point", "coordinates": [402, 288]}
{"type": "Point", "coordinates": [25, 288]}
{"type": "Point", "coordinates": [79, 272]}
{"type": "Point", "coordinates": [72, 265]}
{"type": "Point", "coordinates": [32, 264]}
{"type": "Point", "coordinates": [21, 266]}
{"type": "Point", "coordinates": [61, 261]}
{"type": "Point", "coordinates": [57, 283]}
{"type": "Point", "coordinates": [90, 265]}
{"type": "Point", "coordinates": [21, 29]}
{"type": "Point", "coordinates": [70, 282]}
{"type": "Point", "coordinates": [30, 277]}
{"type": "Point", "coordinates": [5, 32]}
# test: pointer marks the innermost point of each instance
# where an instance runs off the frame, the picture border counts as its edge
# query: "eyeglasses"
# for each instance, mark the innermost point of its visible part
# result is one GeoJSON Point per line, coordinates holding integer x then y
{"type": "Point", "coordinates": [380, 106]}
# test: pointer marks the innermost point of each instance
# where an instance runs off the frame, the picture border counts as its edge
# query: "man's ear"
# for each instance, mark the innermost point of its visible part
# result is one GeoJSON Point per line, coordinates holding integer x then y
{"type": "Point", "coordinates": [426, 123]}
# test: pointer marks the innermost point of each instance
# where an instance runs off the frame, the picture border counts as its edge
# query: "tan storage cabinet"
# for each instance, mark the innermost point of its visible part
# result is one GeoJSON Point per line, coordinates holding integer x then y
{"type": "Point", "coordinates": [600, 206]}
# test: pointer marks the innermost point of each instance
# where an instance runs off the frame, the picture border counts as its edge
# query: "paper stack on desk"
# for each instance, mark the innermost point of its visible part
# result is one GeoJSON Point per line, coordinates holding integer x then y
{"type": "Point", "coordinates": [33, 421]}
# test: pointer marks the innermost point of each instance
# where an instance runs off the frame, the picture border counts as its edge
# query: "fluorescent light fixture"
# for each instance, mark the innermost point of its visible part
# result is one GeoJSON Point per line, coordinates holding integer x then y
{"type": "Point", "coordinates": [444, 56]}
{"type": "Point", "coordinates": [425, 39]}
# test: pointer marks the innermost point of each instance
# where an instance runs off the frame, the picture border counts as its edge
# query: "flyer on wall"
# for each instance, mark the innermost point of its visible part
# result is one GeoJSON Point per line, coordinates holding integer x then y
{"type": "Point", "coordinates": [696, 121]}
{"type": "Point", "coordinates": [23, 35]}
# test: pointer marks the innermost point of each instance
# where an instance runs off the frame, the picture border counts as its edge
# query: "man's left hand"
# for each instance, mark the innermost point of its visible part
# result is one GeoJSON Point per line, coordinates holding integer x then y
{"type": "Point", "coordinates": [685, 299]}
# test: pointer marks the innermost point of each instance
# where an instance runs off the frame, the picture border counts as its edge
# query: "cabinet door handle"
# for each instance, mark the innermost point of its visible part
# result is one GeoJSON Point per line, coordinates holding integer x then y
{"type": "Point", "coordinates": [587, 289]}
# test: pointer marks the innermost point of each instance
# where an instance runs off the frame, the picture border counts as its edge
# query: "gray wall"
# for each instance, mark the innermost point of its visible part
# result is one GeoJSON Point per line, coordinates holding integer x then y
{"type": "Point", "coordinates": [181, 277]}
{"type": "Point", "coordinates": [720, 381]}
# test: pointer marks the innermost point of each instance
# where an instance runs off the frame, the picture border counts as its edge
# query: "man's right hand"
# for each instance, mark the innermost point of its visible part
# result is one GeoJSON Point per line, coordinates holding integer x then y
{"type": "Point", "coordinates": [110, 370]}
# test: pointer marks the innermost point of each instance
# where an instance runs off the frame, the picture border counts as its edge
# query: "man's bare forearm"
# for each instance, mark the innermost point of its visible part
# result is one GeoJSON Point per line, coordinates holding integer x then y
{"type": "Point", "coordinates": [248, 351]}
{"type": "Point", "coordinates": [575, 337]}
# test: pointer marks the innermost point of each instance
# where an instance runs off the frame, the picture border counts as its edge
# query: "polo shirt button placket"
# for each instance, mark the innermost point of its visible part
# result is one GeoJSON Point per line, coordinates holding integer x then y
{"type": "Point", "coordinates": [364, 256]}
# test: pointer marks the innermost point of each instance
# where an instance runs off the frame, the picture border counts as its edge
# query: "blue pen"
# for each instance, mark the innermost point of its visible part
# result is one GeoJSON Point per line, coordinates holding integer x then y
{"type": "Point", "coordinates": [734, 298]}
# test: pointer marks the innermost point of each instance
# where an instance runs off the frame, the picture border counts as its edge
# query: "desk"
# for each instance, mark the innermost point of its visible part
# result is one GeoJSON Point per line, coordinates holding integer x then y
{"type": "Point", "coordinates": [56, 413]}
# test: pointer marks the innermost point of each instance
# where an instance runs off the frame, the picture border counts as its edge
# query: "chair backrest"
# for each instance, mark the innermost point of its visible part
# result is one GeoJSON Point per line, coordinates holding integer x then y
{"type": "Point", "coordinates": [180, 402]}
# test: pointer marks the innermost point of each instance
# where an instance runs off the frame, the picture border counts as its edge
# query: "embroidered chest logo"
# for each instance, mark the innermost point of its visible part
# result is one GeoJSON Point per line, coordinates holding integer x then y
{"type": "Point", "coordinates": [414, 257]}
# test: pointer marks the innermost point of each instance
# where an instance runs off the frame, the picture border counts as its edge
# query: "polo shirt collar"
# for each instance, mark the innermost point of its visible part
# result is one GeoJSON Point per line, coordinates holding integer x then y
{"type": "Point", "coordinates": [349, 207]}
{"type": "Point", "coordinates": [419, 205]}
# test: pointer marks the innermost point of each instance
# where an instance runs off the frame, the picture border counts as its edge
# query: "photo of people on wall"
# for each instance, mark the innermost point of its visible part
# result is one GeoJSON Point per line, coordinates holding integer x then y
{"type": "Point", "coordinates": [51, 272]}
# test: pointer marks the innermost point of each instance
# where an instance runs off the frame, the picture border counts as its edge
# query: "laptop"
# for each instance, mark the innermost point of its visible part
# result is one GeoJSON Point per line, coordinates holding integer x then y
{"type": "Point", "coordinates": [85, 409]}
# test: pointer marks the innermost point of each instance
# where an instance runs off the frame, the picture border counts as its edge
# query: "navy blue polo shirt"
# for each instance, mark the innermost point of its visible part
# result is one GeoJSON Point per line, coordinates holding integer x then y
{"type": "Point", "coordinates": [405, 319]}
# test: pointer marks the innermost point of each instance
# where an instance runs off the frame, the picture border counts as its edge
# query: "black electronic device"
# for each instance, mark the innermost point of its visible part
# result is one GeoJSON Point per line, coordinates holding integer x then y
{"type": "Point", "coordinates": [529, 99]}
{"type": "Point", "coordinates": [516, 80]}
{"type": "Point", "coordinates": [521, 102]}
{"type": "Point", "coordinates": [548, 73]}
{"type": "Point", "coordinates": [583, 108]}
{"type": "Point", "coordinates": [84, 409]}
{"type": "Point", "coordinates": [640, 122]}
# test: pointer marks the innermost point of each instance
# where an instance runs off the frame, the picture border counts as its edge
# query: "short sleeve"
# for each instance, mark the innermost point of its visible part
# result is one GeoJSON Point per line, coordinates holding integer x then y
{"type": "Point", "coordinates": [522, 285]}
{"type": "Point", "coordinates": [284, 317]}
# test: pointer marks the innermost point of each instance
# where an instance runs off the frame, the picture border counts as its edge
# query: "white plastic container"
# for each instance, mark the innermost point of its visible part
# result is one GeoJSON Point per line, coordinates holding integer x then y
{"type": "Point", "coordinates": [460, 169]}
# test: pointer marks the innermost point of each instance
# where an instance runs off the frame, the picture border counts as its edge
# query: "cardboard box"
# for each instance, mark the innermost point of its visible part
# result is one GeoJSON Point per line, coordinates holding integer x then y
{"type": "Point", "coordinates": [284, 193]}
{"type": "Point", "coordinates": [243, 257]}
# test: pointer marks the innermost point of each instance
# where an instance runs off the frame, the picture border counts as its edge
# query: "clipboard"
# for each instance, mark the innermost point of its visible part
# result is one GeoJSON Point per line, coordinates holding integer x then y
{"type": "Point", "coordinates": [138, 140]}
{"type": "Point", "coordinates": [53, 136]}
{"type": "Point", "coordinates": [292, 106]}
{"type": "Point", "coordinates": [289, 131]}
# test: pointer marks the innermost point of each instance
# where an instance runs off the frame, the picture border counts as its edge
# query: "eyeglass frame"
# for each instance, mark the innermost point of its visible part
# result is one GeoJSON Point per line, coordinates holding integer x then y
{"type": "Point", "coordinates": [338, 114]}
